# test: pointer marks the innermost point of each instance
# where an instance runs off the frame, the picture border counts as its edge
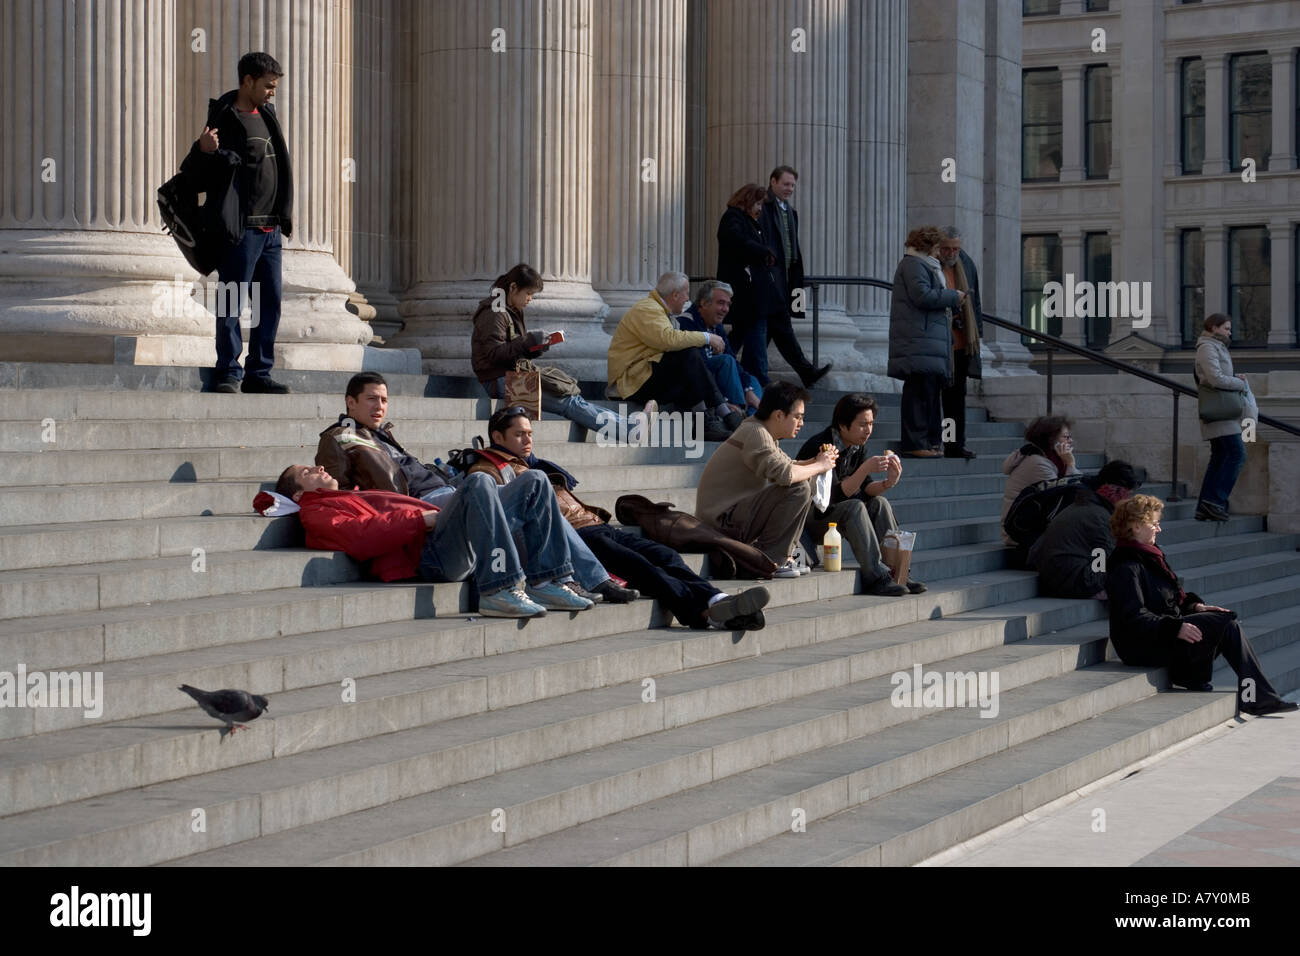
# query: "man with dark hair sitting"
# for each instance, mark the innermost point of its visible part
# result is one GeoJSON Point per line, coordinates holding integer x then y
{"type": "Point", "coordinates": [706, 314]}
{"type": "Point", "coordinates": [752, 491]}
{"type": "Point", "coordinates": [858, 505]}
{"type": "Point", "coordinates": [400, 537]}
{"type": "Point", "coordinates": [359, 451]}
{"type": "Point", "coordinates": [1071, 554]}
{"type": "Point", "coordinates": [652, 568]}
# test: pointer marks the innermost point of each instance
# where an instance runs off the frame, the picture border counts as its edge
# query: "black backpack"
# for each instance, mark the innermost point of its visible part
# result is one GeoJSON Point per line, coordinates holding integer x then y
{"type": "Point", "coordinates": [204, 235]}
{"type": "Point", "coordinates": [1036, 506]}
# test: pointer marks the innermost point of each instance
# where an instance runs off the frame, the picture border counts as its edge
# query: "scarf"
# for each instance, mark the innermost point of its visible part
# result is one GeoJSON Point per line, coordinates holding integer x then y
{"type": "Point", "coordinates": [971, 327]}
{"type": "Point", "coordinates": [1159, 555]}
{"type": "Point", "coordinates": [1114, 493]}
{"type": "Point", "coordinates": [932, 264]}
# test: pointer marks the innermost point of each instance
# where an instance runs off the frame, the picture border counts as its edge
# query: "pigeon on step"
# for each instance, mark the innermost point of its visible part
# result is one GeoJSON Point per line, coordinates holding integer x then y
{"type": "Point", "coordinates": [229, 706]}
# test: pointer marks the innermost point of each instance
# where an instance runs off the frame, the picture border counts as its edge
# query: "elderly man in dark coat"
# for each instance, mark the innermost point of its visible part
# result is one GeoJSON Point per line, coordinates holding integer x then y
{"type": "Point", "coordinates": [1066, 554]}
{"type": "Point", "coordinates": [967, 330]}
{"type": "Point", "coordinates": [920, 341]}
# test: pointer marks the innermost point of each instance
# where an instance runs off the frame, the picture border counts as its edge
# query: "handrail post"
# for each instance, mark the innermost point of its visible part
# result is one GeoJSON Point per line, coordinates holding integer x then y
{"type": "Point", "coordinates": [1173, 478]}
{"type": "Point", "coordinates": [1050, 352]}
{"type": "Point", "coordinates": [816, 324]}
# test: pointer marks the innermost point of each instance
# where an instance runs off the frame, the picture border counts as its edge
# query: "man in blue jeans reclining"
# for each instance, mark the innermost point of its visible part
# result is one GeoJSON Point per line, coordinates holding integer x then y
{"type": "Point", "coordinates": [400, 537]}
{"type": "Point", "coordinates": [359, 451]}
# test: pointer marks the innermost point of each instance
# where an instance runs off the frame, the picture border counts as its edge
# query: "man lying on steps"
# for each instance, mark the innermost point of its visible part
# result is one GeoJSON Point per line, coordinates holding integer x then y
{"type": "Point", "coordinates": [359, 451]}
{"type": "Point", "coordinates": [650, 567]}
{"type": "Point", "coordinates": [400, 537]}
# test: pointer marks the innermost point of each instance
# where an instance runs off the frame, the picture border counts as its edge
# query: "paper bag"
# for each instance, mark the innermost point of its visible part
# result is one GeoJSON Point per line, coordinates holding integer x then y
{"type": "Point", "coordinates": [525, 390]}
{"type": "Point", "coordinates": [896, 552]}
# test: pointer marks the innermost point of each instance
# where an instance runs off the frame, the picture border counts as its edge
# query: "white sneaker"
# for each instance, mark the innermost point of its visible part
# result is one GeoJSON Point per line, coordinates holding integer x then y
{"type": "Point", "coordinates": [787, 570]}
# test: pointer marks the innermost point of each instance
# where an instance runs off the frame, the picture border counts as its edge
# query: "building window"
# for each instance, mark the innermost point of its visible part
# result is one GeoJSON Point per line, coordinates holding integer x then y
{"type": "Point", "coordinates": [1295, 245]}
{"type": "Point", "coordinates": [1250, 104]}
{"type": "Point", "coordinates": [1040, 263]}
{"type": "Point", "coordinates": [1097, 6]}
{"type": "Point", "coordinates": [1041, 8]}
{"type": "Point", "coordinates": [1096, 268]}
{"type": "Point", "coordinates": [1191, 281]}
{"type": "Point", "coordinates": [1041, 151]}
{"type": "Point", "coordinates": [1250, 301]}
{"type": "Point", "coordinates": [1193, 113]}
{"type": "Point", "coordinates": [1096, 111]}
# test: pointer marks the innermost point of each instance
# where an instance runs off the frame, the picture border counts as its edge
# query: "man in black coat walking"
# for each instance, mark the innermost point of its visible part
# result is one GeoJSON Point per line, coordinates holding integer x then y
{"type": "Point", "coordinates": [242, 129]}
{"type": "Point", "coordinates": [780, 224]}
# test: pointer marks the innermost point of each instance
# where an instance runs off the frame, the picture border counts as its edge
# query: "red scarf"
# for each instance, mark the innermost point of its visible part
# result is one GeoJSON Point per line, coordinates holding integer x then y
{"type": "Point", "coordinates": [1114, 493]}
{"type": "Point", "coordinates": [1159, 555]}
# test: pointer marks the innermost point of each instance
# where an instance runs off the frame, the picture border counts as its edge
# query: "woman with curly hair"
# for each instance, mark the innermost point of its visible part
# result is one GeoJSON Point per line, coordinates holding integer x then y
{"type": "Point", "coordinates": [1155, 623]}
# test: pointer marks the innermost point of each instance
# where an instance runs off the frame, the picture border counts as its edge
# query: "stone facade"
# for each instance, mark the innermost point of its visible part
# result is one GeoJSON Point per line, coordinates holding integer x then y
{"type": "Point", "coordinates": [435, 144]}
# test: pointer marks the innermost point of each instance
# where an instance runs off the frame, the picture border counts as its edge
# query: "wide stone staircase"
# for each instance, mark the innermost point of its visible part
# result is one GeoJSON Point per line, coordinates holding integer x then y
{"type": "Point", "coordinates": [404, 729]}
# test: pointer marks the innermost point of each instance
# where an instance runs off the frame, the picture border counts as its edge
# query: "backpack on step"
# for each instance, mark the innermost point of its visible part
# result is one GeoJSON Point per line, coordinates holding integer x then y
{"type": "Point", "coordinates": [1036, 506]}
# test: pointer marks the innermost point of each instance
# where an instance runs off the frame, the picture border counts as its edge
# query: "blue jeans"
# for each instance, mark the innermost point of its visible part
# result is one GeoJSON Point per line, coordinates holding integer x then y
{"type": "Point", "coordinates": [750, 343]}
{"type": "Point", "coordinates": [733, 380]}
{"type": "Point", "coordinates": [573, 407]}
{"type": "Point", "coordinates": [586, 569]}
{"type": "Point", "coordinates": [1227, 458]}
{"type": "Point", "coordinates": [473, 535]}
{"type": "Point", "coordinates": [255, 258]}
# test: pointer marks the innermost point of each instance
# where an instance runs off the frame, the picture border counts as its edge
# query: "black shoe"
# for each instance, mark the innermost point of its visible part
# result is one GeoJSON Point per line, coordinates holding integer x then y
{"type": "Point", "coordinates": [1199, 688]}
{"type": "Point", "coordinates": [885, 587]}
{"type": "Point", "coordinates": [955, 452]}
{"type": "Point", "coordinates": [745, 622]}
{"type": "Point", "coordinates": [613, 594]}
{"type": "Point", "coordinates": [733, 420]}
{"type": "Point", "coordinates": [256, 385]}
{"type": "Point", "coordinates": [227, 386]}
{"type": "Point", "coordinates": [1276, 707]}
{"type": "Point", "coordinates": [815, 376]}
{"type": "Point", "coordinates": [1208, 512]}
{"type": "Point", "coordinates": [915, 587]}
{"type": "Point", "coordinates": [733, 607]}
{"type": "Point", "coordinates": [714, 429]}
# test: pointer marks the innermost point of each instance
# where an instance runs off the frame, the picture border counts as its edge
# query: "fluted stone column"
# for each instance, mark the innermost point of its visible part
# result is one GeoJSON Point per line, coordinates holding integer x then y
{"type": "Point", "coordinates": [503, 174]}
{"type": "Point", "coordinates": [701, 222]}
{"type": "Point", "coordinates": [89, 122]}
{"type": "Point", "coordinates": [877, 171]}
{"type": "Point", "coordinates": [316, 329]}
{"type": "Point", "coordinates": [778, 94]}
{"type": "Point", "coordinates": [639, 126]}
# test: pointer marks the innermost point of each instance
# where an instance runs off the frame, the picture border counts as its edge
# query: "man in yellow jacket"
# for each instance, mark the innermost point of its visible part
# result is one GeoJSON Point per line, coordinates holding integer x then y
{"type": "Point", "coordinates": [652, 360]}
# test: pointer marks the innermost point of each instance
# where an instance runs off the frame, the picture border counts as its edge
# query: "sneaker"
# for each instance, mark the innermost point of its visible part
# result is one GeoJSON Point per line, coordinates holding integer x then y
{"type": "Point", "coordinates": [555, 597]}
{"type": "Point", "coordinates": [613, 593]}
{"type": "Point", "coordinates": [263, 386]}
{"type": "Point", "coordinates": [582, 592]}
{"type": "Point", "coordinates": [735, 610]}
{"type": "Point", "coordinates": [510, 602]}
{"type": "Point", "coordinates": [227, 386]}
{"type": "Point", "coordinates": [885, 587]}
{"type": "Point", "coordinates": [787, 570]}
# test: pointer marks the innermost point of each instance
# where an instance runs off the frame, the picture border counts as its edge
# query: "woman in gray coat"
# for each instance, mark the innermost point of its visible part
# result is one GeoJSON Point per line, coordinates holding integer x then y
{"type": "Point", "coordinates": [1227, 451]}
{"type": "Point", "coordinates": [920, 341]}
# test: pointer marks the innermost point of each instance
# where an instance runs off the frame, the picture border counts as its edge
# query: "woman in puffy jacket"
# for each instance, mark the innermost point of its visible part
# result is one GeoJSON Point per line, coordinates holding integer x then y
{"type": "Point", "coordinates": [1048, 453]}
{"type": "Point", "coordinates": [1227, 451]}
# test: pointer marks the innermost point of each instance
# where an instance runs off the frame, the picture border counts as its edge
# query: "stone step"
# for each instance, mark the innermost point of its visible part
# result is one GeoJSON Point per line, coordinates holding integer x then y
{"type": "Point", "coordinates": [430, 783]}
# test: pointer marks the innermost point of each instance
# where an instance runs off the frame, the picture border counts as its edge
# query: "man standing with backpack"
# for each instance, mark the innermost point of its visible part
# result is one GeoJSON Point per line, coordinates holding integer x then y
{"type": "Point", "coordinates": [242, 126]}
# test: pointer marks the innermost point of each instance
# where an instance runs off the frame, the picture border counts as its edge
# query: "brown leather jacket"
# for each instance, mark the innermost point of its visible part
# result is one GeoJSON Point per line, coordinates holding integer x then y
{"type": "Point", "coordinates": [354, 457]}
{"type": "Point", "coordinates": [577, 513]}
{"type": "Point", "coordinates": [498, 342]}
{"type": "Point", "coordinates": [686, 533]}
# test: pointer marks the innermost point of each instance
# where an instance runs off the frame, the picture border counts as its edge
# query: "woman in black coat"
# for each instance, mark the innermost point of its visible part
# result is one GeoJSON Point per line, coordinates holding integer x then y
{"type": "Point", "coordinates": [1155, 623]}
{"type": "Point", "coordinates": [745, 263]}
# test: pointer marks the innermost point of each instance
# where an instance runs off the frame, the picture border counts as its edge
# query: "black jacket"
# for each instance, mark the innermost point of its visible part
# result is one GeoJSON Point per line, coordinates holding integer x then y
{"type": "Point", "coordinates": [849, 461]}
{"type": "Point", "coordinates": [1063, 554]}
{"type": "Point", "coordinates": [743, 263]}
{"type": "Point", "coordinates": [1145, 610]}
{"type": "Point", "coordinates": [769, 220]}
{"type": "Point", "coordinates": [975, 368]}
{"type": "Point", "coordinates": [207, 168]}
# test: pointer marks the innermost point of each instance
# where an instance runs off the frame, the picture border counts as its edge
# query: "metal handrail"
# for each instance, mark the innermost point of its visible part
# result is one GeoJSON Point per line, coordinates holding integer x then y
{"type": "Point", "coordinates": [814, 283]}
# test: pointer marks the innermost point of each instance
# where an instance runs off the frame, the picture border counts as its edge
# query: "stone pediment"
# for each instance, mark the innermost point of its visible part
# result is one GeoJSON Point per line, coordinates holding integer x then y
{"type": "Point", "coordinates": [1138, 350]}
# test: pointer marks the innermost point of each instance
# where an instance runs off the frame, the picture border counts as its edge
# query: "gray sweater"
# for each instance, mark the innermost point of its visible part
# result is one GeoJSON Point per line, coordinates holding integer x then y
{"type": "Point", "coordinates": [1214, 367]}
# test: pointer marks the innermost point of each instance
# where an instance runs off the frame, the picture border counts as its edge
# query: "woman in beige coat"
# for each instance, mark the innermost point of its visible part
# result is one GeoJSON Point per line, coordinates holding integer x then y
{"type": "Point", "coordinates": [1227, 451]}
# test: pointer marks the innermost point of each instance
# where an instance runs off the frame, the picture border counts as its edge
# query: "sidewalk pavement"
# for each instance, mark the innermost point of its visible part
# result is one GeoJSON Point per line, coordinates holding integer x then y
{"type": "Point", "coordinates": [1228, 797]}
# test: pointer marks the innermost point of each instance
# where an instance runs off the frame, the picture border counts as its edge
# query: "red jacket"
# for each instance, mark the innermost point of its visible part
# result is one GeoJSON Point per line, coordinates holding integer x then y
{"type": "Point", "coordinates": [381, 527]}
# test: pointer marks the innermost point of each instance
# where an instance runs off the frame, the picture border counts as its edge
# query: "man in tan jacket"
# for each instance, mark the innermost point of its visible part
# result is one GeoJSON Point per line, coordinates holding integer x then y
{"type": "Point", "coordinates": [652, 360]}
{"type": "Point", "coordinates": [753, 491]}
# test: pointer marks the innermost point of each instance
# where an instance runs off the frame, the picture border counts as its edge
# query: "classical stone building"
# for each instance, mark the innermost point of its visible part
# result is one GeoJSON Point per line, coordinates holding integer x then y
{"type": "Point", "coordinates": [437, 143]}
{"type": "Point", "coordinates": [1160, 142]}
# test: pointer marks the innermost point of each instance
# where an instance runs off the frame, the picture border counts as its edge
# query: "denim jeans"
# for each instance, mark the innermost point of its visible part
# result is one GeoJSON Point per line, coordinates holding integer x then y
{"type": "Point", "coordinates": [750, 343]}
{"type": "Point", "coordinates": [573, 407]}
{"type": "Point", "coordinates": [733, 380]}
{"type": "Point", "coordinates": [586, 568]}
{"type": "Point", "coordinates": [1227, 458]}
{"type": "Point", "coordinates": [255, 258]}
{"type": "Point", "coordinates": [473, 535]}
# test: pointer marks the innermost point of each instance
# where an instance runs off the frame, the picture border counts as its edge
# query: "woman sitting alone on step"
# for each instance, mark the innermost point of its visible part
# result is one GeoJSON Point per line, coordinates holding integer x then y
{"type": "Point", "coordinates": [1155, 623]}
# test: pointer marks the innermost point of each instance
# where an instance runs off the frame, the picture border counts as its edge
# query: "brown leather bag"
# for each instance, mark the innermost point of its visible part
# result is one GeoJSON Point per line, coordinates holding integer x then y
{"type": "Point", "coordinates": [688, 534]}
